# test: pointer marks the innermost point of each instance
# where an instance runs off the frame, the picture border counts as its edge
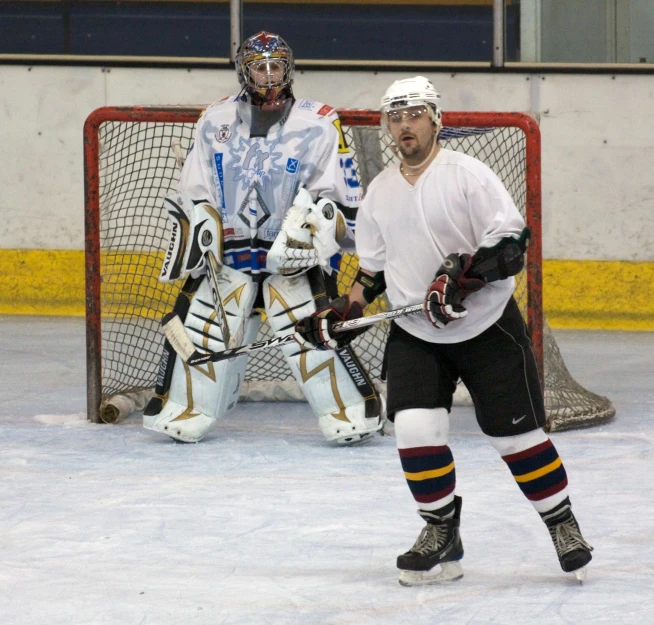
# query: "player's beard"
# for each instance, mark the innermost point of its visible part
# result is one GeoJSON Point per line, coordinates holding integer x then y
{"type": "Point", "coordinates": [416, 151]}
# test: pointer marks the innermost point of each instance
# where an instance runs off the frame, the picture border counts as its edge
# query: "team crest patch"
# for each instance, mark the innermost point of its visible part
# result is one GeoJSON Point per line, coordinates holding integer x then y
{"type": "Point", "coordinates": [223, 134]}
{"type": "Point", "coordinates": [325, 110]}
{"type": "Point", "coordinates": [306, 105]}
{"type": "Point", "coordinates": [291, 165]}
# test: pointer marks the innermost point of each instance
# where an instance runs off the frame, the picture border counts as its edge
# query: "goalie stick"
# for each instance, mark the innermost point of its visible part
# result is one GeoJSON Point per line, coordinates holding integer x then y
{"type": "Point", "coordinates": [176, 334]}
{"type": "Point", "coordinates": [213, 269]}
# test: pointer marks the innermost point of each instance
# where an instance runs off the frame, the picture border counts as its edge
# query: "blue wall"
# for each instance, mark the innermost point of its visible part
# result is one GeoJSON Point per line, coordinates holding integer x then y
{"type": "Point", "coordinates": [343, 31]}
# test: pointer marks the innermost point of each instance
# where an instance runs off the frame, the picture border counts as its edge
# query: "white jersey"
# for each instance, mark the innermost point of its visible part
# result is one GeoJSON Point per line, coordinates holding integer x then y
{"type": "Point", "coordinates": [457, 205]}
{"type": "Point", "coordinates": [252, 181]}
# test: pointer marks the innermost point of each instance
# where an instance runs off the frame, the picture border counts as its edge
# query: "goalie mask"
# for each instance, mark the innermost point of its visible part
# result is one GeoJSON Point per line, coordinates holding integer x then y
{"type": "Point", "coordinates": [265, 68]}
{"type": "Point", "coordinates": [411, 93]}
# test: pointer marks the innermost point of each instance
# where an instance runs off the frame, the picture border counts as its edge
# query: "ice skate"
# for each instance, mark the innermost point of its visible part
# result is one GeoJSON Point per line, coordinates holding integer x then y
{"type": "Point", "coordinates": [435, 558]}
{"type": "Point", "coordinates": [573, 551]}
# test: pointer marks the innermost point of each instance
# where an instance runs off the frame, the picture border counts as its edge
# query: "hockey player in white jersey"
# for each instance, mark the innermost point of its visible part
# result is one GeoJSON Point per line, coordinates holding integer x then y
{"type": "Point", "coordinates": [266, 199]}
{"type": "Point", "coordinates": [442, 211]}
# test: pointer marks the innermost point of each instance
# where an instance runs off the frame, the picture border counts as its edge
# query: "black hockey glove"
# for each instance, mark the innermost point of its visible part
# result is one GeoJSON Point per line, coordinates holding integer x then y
{"type": "Point", "coordinates": [451, 285]}
{"type": "Point", "coordinates": [315, 332]}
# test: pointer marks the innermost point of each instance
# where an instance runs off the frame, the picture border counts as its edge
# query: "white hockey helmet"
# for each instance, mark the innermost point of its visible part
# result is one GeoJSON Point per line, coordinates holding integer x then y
{"type": "Point", "coordinates": [411, 92]}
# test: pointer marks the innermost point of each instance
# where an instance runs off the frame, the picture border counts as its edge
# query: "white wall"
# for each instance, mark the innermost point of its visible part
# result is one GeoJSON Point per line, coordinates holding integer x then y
{"type": "Point", "coordinates": [598, 140]}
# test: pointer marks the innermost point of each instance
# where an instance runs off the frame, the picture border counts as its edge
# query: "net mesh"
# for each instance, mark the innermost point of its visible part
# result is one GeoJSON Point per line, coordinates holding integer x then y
{"type": "Point", "coordinates": [138, 164]}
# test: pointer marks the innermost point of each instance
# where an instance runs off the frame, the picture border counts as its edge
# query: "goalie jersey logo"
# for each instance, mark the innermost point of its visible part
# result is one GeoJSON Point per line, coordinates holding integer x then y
{"type": "Point", "coordinates": [223, 134]}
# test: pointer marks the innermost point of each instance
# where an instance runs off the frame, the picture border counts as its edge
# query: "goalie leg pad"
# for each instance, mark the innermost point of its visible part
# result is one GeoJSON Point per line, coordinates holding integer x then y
{"type": "Point", "coordinates": [198, 396]}
{"type": "Point", "coordinates": [343, 411]}
{"type": "Point", "coordinates": [167, 360]}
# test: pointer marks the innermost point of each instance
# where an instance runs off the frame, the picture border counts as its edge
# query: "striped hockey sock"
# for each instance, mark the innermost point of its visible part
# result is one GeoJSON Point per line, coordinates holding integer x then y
{"type": "Point", "coordinates": [539, 472]}
{"type": "Point", "coordinates": [430, 474]}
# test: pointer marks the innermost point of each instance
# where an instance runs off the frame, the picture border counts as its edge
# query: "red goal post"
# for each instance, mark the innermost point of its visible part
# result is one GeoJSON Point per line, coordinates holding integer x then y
{"type": "Point", "coordinates": [130, 164]}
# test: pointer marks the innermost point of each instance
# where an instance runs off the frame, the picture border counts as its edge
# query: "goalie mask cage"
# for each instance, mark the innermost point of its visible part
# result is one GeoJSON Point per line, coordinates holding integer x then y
{"type": "Point", "coordinates": [132, 159]}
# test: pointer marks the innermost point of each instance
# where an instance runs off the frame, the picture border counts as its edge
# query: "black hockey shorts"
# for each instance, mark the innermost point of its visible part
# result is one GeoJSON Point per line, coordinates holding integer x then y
{"type": "Point", "coordinates": [498, 367]}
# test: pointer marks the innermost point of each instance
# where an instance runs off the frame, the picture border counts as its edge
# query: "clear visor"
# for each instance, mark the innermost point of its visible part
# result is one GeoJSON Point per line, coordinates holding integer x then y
{"type": "Point", "coordinates": [410, 113]}
{"type": "Point", "coordinates": [267, 73]}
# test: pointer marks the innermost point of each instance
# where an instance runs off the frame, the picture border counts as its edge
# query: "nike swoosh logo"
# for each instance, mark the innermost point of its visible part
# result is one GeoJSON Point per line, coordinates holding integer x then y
{"type": "Point", "coordinates": [516, 421]}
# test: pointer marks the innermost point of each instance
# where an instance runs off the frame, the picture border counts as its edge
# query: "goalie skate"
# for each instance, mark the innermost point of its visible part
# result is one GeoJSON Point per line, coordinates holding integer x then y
{"type": "Point", "coordinates": [436, 556]}
{"type": "Point", "coordinates": [356, 430]}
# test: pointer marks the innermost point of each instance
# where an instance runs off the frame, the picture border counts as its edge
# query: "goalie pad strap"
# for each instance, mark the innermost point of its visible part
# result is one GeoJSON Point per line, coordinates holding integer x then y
{"type": "Point", "coordinates": [372, 285]}
{"type": "Point", "coordinates": [501, 261]}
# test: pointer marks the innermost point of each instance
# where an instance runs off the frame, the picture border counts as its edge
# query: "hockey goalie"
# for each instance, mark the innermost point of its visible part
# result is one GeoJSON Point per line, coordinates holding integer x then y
{"type": "Point", "coordinates": [265, 204]}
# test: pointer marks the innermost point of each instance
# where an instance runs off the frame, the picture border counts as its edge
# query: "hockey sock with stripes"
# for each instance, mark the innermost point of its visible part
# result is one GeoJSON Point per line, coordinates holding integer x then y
{"type": "Point", "coordinates": [426, 458]}
{"type": "Point", "coordinates": [536, 467]}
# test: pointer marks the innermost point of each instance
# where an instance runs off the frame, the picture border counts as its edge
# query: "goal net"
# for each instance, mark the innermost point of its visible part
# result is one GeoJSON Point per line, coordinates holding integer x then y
{"type": "Point", "coordinates": [132, 161]}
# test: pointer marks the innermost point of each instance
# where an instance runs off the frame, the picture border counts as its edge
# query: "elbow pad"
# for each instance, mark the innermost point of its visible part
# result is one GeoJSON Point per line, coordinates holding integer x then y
{"type": "Point", "coordinates": [501, 261]}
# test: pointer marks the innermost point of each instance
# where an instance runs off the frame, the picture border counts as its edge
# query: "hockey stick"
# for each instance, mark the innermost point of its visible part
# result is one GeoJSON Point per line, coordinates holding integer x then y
{"type": "Point", "coordinates": [213, 269]}
{"type": "Point", "coordinates": [176, 334]}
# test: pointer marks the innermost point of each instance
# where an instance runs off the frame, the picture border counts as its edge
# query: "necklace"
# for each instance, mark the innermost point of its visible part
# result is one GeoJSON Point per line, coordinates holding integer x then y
{"type": "Point", "coordinates": [405, 173]}
{"type": "Point", "coordinates": [419, 165]}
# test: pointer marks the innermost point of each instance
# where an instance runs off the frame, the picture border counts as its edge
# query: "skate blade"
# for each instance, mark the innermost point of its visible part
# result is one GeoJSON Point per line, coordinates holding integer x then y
{"type": "Point", "coordinates": [448, 572]}
{"type": "Point", "coordinates": [580, 574]}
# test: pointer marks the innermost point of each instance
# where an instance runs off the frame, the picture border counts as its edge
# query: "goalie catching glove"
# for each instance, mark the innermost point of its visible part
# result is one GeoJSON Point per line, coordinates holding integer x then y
{"type": "Point", "coordinates": [315, 332]}
{"type": "Point", "coordinates": [310, 236]}
{"type": "Point", "coordinates": [450, 287]}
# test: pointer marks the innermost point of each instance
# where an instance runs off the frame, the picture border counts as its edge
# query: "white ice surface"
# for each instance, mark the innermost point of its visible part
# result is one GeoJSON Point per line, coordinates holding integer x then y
{"type": "Point", "coordinates": [265, 523]}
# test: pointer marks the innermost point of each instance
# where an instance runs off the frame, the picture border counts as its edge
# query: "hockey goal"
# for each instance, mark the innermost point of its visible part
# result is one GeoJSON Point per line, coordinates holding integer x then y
{"type": "Point", "coordinates": [132, 160]}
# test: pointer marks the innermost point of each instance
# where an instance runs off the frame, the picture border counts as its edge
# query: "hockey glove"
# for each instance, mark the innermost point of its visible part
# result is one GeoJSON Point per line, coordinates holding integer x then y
{"type": "Point", "coordinates": [451, 285]}
{"type": "Point", "coordinates": [315, 332]}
